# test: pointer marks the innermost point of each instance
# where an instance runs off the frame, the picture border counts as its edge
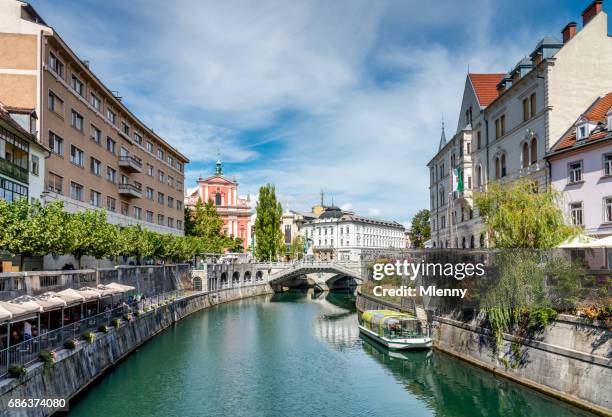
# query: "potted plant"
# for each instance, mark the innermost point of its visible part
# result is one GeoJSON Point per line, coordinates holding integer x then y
{"type": "Point", "coordinates": [16, 370]}
{"type": "Point", "coordinates": [90, 337]}
{"type": "Point", "coordinates": [70, 344]}
{"type": "Point", "coordinates": [116, 323]}
{"type": "Point", "coordinates": [103, 328]}
{"type": "Point", "coordinates": [48, 358]}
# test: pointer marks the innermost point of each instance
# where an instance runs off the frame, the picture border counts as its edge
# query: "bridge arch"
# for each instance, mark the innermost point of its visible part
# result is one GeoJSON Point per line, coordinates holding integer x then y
{"type": "Point", "coordinates": [236, 278]}
{"type": "Point", "coordinates": [258, 276]}
{"type": "Point", "coordinates": [223, 279]}
{"type": "Point", "coordinates": [247, 276]}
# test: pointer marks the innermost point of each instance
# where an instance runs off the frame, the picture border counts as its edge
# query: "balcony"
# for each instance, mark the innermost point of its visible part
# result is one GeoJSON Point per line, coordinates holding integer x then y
{"type": "Point", "coordinates": [130, 163]}
{"type": "Point", "coordinates": [14, 171]}
{"type": "Point", "coordinates": [130, 190]}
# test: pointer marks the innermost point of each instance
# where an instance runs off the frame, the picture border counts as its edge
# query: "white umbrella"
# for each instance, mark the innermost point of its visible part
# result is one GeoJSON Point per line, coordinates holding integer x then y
{"type": "Point", "coordinates": [15, 309]}
{"type": "Point", "coordinates": [5, 315]}
{"type": "Point", "coordinates": [605, 242]}
{"type": "Point", "coordinates": [50, 301]}
{"type": "Point", "coordinates": [27, 303]}
{"type": "Point", "coordinates": [106, 290]}
{"type": "Point", "coordinates": [121, 287]}
{"type": "Point", "coordinates": [89, 293]}
{"type": "Point", "coordinates": [70, 296]}
{"type": "Point", "coordinates": [580, 241]}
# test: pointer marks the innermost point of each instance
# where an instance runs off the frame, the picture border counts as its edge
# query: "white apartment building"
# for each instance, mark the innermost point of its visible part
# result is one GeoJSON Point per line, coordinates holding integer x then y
{"type": "Point", "coordinates": [508, 122]}
{"type": "Point", "coordinates": [343, 235]}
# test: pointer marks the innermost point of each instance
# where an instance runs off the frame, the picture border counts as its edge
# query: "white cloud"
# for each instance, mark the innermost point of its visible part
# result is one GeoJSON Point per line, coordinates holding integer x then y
{"type": "Point", "coordinates": [346, 207]}
{"type": "Point", "coordinates": [374, 212]}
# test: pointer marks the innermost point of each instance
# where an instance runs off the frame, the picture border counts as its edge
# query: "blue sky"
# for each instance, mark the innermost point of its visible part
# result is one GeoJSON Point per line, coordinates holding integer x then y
{"type": "Point", "coordinates": [344, 96]}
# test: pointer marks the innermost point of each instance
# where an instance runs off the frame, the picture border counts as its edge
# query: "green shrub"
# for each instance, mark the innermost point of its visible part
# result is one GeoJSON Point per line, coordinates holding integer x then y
{"type": "Point", "coordinates": [103, 328]}
{"type": "Point", "coordinates": [70, 344]}
{"type": "Point", "coordinates": [16, 370]}
{"type": "Point", "coordinates": [89, 337]}
{"type": "Point", "coordinates": [47, 358]}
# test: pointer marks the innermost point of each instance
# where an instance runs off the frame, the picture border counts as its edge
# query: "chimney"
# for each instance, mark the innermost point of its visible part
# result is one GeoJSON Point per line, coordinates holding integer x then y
{"type": "Point", "coordinates": [569, 31]}
{"type": "Point", "coordinates": [591, 11]}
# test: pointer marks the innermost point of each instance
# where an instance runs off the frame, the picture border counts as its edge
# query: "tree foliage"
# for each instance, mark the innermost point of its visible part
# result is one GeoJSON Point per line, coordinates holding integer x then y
{"type": "Point", "coordinates": [296, 250]}
{"type": "Point", "coordinates": [420, 229]}
{"type": "Point", "coordinates": [206, 224]}
{"type": "Point", "coordinates": [516, 216]}
{"type": "Point", "coordinates": [269, 243]}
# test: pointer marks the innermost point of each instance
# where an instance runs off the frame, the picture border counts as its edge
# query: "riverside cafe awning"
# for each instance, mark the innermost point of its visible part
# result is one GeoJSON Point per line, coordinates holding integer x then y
{"type": "Point", "coordinates": [23, 321]}
{"type": "Point", "coordinates": [74, 305]}
{"type": "Point", "coordinates": [589, 242]}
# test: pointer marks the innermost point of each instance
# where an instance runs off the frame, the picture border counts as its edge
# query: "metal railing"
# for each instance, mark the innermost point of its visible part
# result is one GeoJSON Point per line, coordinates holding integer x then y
{"type": "Point", "coordinates": [27, 352]}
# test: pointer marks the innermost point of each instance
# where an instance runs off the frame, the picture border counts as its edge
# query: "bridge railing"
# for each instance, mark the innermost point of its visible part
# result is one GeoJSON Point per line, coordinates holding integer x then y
{"type": "Point", "coordinates": [279, 265]}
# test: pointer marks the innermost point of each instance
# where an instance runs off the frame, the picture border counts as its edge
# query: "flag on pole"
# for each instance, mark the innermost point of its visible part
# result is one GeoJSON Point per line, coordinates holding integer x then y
{"type": "Point", "coordinates": [457, 180]}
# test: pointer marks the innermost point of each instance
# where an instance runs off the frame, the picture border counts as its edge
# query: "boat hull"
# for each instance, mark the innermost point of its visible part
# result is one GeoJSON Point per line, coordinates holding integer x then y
{"type": "Point", "coordinates": [398, 344]}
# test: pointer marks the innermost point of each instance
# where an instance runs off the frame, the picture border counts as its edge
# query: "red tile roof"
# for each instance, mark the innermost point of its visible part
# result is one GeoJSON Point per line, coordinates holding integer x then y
{"type": "Point", "coordinates": [485, 86]}
{"type": "Point", "coordinates": [596, 113]}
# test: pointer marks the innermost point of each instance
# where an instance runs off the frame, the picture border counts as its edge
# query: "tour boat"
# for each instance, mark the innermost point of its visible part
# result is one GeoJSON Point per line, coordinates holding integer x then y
{"type": "Point", "coordinates": [393, 329]}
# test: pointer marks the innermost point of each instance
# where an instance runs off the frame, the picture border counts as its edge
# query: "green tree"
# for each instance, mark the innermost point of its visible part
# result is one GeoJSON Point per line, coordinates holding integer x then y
{"type": "Point", "coordinates": [189, 223]}
{"type": "Point", "coordinates": [296, 250]}
{"type": "Point", "coordinates": [136, 242]}
{"type": "Point", "coordinates": [268, 235]}
{"type": "Point", "coordinates": [516, 216]}
{"type": "Point", "coordinates": [420, 229]}
{"type": "Point", "coordinates": [88, 234]}
{"type": "Point", "coordinates": [206, 224]}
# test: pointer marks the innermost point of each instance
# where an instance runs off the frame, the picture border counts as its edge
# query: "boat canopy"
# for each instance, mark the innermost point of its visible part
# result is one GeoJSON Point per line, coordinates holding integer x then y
{"type": "Point", "coordinates": [392, 324]}
{"type": "Point", "coordinates": [382, 316]}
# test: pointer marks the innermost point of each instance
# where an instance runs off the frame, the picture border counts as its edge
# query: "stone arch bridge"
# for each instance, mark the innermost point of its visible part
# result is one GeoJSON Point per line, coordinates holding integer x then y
{"type": "Point", "coordinates": [321, 275]}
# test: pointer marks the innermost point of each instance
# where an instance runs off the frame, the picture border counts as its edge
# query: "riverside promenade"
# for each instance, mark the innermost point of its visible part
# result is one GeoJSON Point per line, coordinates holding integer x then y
{"type": "Point", "coordinates": [77, 365]}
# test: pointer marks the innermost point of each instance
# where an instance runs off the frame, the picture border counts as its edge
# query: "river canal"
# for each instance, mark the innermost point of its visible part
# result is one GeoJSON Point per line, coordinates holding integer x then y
{"type": "Point", "coordinates": [294, 354]}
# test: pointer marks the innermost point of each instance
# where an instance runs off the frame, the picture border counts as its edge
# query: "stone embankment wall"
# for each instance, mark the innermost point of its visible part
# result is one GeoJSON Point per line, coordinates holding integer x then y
{"type": "Point", "coordinates": [74, 370]}
{"type": "Point", "coordinates": [571, 359]}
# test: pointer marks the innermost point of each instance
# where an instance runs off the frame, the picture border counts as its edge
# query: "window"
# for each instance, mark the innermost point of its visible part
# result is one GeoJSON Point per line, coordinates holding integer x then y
{"type": "Point", "coordinates": [55, 183]}
{"type": "Point", "coordinates": [56, 65]}
{"type": "Point", "coordinates": [96, 166]}
{"type": "Point", "coordinates": [149, 216]}
{"type": "Point", "coordinates": [55, 103]}
{"type": "Point", "coordinates": [160, 219]}
{"type": "Point", "coordinates": [608, 210]}
{"type": "Point", "coordinates": [123, 153]}
{"type": "Point", "coordinates": [170, 160]}
{"type": "Point", "coordinates": [500, 126]}
{"type": "Point", "coordinates": [96, 198]}
{"type": "Point", "coordinates": [179, 166]}
{"type": "Point", "coordinates": [525, 109]}
{"type": "Point", "coordinates": [77, 86]}
{"type": "Point", "coordinates": [138, 138]}
{"type": "Point", "coordinates": [525, 155]}
{"type": "Point", "coordinates": [582, 132]}
{"type": "Point", "coordinates": [111, 175]}
{"type": "Point", "coordinates": [534, 150]}
{"type": "Point", "coordinates": [607, 161]}
{"type": "Point", "coordinates": [478, 140]}
{"type": "Point", "coordinates": [137, 213]}
{"type": "Point", "coordinates": [576, 213]}
{"type": "Point", "coordinates": [150, 193]}
{"type": "Point", "coordinates": [503, 165]}
{"type": "Point", "coordinates": [575, 172]}
{"type": "Point", "coordinates": [170, 222]}
{"type": "Point", "coordinates": [532, 104]}
{"type": "Point", "coordinates": [170, 202]}
{"type": "Point", "coordinates": [170, 181]}
{"type": "Point", "coordinates": [161, 176]}
{"type": "Point", "coordinates": [125, 179]}
{"type": "Point", "coordinates": [497, 169]}
{"type": "Point", "coordinates": [179, 225]}
{"type": "Point", "coordinates": [76, 191]}
{"type": "Point", "coordinates": [95, 102]}
{"type": "Point", "coordinates": [76, 120]}
{"type": "Point", "coordinates": [149, 147]}
{"type": "Point", "coordinates": [160, 198]}
{"type": "Point", "coordinates": [76, 156]}
{"type": "Point", "coordinates": [11, 191]}
{"type": "Point", "coordinates": [111, 204]}
{"type": "Point", "coordinates": [179, 205]}
{"type": "Point", "coordinates": [96, 134]}
{"type": "Point", "coordinates": [160, 153]}
{"type": "Point", "coordinates": [111, 116]}
{"type": "Point", "coordinates": [125, 128]}
{"type": "Point", "coordinates": [125, 208]}
{"type": "Point", "coordinates": [150, 170]}
{"type": "Point", "coordinates": [110, 145]}
{"type": "Point", "coordinates": [35, 166]}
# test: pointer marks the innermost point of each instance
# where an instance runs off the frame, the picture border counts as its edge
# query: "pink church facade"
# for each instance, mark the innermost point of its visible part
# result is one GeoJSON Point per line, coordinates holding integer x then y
{"type": "Point", "coordinates": [234, 211]}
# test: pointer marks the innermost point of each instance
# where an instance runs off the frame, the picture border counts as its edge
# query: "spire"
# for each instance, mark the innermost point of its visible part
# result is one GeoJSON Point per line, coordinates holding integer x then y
{"type": "Point", "coordinates": [218, 167]}
{"type": "Point", "coordinates": [322, 198]}
{"type": "Point", "coordinates": [443, 136]}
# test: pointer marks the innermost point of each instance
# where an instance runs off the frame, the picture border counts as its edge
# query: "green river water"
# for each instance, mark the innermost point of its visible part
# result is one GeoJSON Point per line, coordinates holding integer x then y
{"type": "Point", "coordinates": [294, 354]}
